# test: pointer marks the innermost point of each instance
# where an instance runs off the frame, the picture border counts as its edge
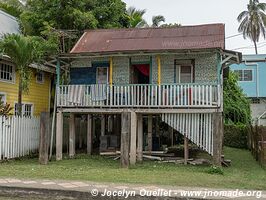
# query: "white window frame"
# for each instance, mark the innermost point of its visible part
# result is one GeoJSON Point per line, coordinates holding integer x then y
{"type": "Point", "coordinates": [43, 77]}
{"type": "Point", "coordinates": [178, 73]}
{"type": "Point", "coordinates": [23, 108]}
{"type": "Point", "coordinates": [242, 71]}
{"type": "Point", "coordinates": [4, 95]}
{"type": "Point", "coordinates": [13, 73]}
{"type": "Point", "coordinates": [107, 69]}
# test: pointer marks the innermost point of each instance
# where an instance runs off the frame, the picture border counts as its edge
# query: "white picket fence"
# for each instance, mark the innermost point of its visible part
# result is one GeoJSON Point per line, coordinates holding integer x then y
{"type": "Point", "coordinates": [19, 136]}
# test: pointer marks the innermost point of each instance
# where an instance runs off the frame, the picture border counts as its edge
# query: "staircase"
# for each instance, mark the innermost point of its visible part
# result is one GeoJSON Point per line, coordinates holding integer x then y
{"type": "Point", "coordinates": [198, 128]}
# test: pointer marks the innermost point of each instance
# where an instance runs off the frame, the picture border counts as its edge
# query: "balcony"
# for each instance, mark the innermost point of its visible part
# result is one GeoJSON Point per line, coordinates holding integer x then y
{"type": "Point", "coordinates": [191, 95]}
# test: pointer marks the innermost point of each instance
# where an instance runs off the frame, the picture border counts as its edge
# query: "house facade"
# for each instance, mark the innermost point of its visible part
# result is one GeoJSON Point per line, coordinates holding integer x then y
{"type": "Point", "coordinates": [251, 73]}
{"type": "Point", "coordinates": [37, 99]}
{"type": "Point", "coordinates": [171, 73]}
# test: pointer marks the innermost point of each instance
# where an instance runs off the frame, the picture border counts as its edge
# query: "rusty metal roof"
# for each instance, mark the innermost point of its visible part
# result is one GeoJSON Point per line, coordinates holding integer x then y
{"type": "Point", "coordinates": [103, 41]}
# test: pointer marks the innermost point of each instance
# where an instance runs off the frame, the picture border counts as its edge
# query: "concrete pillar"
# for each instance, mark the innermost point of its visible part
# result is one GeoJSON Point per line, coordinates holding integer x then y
{"type": "Point", "coordinates": [140, 138]}
{"type": "Point", "coordinates": [133, 138]}
{"type": "Point", "coordinates": [125, 140]}
{"type": "Point", "coordinates": [218, 131]}
{"type": "Point", "coordinates": [59, 135]}
{"type": "Point", "coordinates": [72, 135]}
{"type": "Point", "coordinates": [89, 135]}
{"type": "Point", "coordinates": [150, 133]}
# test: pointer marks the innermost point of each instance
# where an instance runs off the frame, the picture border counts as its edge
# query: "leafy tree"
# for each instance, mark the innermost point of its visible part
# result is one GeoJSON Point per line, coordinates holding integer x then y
{"type": "Point", "coordinates": [236, 105]}
{"type": "Point", "coordinates": [253, 22]}
{"type": "Point", "coordinates": [12, 7]}
{"type": "Point", "coordinates": [72, 15]}
{"type": "Point", "coordinates": [24, 51]}
{"type": "Point", "coordinates": [156, 20]}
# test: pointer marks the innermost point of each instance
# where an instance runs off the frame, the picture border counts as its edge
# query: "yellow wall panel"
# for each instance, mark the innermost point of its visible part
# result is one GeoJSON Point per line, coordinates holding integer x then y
{"type": "Point", "coordinates": [38, 94]}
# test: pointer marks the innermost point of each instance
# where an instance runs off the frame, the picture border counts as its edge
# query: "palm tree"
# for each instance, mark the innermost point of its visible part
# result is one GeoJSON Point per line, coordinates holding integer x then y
{"type": "Point", "coordinates": [253, 21]}
{"type": "Point", "coordinates": [136, 17]}
{"type": "Point", "coordinates": [156, 20]}
{"type": "Point", "coordinates": [21, 51]}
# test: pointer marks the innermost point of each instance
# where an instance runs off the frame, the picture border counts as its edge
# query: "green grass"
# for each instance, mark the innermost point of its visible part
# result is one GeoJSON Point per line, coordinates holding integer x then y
{"type": "Point", "coordinates": [244, 173]}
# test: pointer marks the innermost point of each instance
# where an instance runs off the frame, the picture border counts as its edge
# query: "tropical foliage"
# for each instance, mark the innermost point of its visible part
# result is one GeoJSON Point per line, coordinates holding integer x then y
{"type": "Point", "coordinates": [253, 22]}
{"type": "Point", "coordinates": [12, 7]}
{"type": "Point", "coordinates": [24, 51]}
{"type": "Point", "coordinates": [236, 105]}
{"type": "Point", "coordinates": [5, 109]}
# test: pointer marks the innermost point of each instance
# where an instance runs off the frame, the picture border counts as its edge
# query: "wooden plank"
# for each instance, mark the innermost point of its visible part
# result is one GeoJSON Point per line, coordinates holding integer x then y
{"type": "Point", "coordinates": [125, 140]}
{"type": "Point", "coordinates": [44, 138]}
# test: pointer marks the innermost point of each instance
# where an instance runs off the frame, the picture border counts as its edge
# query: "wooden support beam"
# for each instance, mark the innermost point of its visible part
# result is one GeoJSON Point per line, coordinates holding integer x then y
{"type": "Point", "coordinates": [72, 135]}
{"type": "Point", "coordinates": [59, 135]}
{"type": "Point", "coordinates": [171, 131]}
{"type": "Point", "coordinates": [150, 133]}
{"type": "Point", "coordinates": [159, 69]}
{"type": "Point", "coordinates": [133, 138]}
{"type": "Point", "coordinates": [140, 138]}
{"type": "Point", "coordinates": [44, 138]}
{"type": "Point", "coordinates": [125, 140]}
{"type": "Point", "coordinates": [89, 135]}
{"type": "Point", "coordinates": [102, 125]}
{"type": "Point", "coordinates": [111, 71]}
{"type": "Point", "coordinates": [186, 150]}
{"type": "Point", "coordinates": [218, 131]}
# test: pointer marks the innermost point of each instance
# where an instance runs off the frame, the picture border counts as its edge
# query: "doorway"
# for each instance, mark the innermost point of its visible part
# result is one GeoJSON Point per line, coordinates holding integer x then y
{"type": "Point", "coordinates": [140, 74]}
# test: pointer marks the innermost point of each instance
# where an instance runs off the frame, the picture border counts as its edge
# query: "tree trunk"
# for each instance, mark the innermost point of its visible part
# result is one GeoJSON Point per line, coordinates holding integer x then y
{"type": "Point", "coordinates": [256, 48]}
{"type": "Point", "coordinates": [19, 108]}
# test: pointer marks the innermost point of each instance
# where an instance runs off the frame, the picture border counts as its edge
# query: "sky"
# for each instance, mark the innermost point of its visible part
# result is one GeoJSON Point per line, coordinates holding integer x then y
{"type": "Point", "coordinates": [194, 12]}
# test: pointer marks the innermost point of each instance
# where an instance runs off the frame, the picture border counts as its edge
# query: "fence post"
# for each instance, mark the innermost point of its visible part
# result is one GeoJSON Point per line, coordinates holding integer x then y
{"type": "Point", "coordinates": [44, 138]}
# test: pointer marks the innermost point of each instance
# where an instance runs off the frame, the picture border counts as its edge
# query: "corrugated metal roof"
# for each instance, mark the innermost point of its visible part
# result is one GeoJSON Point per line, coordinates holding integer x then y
{"type": "Point", "coordinates": [8, 24]}
{"type": "Point", "coordinates": [152, 39]}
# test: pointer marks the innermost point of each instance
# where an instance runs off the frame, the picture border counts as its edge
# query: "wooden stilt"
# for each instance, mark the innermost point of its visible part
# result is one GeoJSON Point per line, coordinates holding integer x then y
{"type": "Point", "coordinates": [102, 125]}
{"type": "Point", "coordinates": [171, 131]}
{"type": "Point", "coordinates": [217, 138]}
{"type": "Point", "coordinates": [72, 135]}
{"type": "Point", "coordinates": [150, 133]}
{"type": "Point", "coordinates": [133, 138]}
{"type": "Point", "coordinates": [140, 138]}
{"type": "Point", "coordinates": [186, 150]}
{"type": "Point", "coordinates": [125, 140]}
{"type": "Point", "coordinates": [44, 138]}
{"type": "Point", "coordinates": [59, 135]}
{"type": "Point", "coordinates": [89, 135]}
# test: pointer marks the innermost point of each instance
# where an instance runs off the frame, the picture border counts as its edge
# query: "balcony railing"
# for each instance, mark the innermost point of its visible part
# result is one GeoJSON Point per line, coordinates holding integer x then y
{"type": "Point", "coordinates": [139, 96]}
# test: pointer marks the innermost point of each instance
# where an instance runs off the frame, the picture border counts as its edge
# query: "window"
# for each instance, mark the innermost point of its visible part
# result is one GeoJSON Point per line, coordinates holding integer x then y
{"type": "Point", "coordinates": [27, 110]}
{"type": "Point", "coordinates": [102, 75]}
{"type": "Point", "coordinates": [6, 72]}
{"type": "Point", "coordinates": [183, 71]}
{"type": "Point", "coordinates": [244, 75]}
{"type": "Point", "coordinates": [40, 77]}
{"type": "Point", "coordinates": [3, 97]}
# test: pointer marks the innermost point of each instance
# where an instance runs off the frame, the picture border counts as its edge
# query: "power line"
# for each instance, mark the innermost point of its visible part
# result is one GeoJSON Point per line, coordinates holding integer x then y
{"type": "Point", "coordinates": [252, 46]}
{"type": "Point", "coordinates": [231, 36]}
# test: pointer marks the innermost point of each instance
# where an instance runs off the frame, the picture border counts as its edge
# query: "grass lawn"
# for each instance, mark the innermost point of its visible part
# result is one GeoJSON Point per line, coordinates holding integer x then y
{"type": "Point", "coordinates": [244, 173]}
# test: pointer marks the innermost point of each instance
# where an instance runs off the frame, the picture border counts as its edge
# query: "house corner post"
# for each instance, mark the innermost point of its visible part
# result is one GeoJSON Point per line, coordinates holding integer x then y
{"type": "Point", "coordinates": [44, 138]}
{"type": "Point", "coordinates": [125, 120]}
{"type": "Point", "coordinates": [218, 132]}
{"type": "Point", "coordinates": [72, 134]}
{"type": "Point", "coordinates": [111, 71]}
{"type": "Point", "coordinates": [150, 133]}
{"type": "Point", "coordinates": [59, 135]}
{"type": "Point", "coordinates": [133, 138]}
{"type": "Point", "coordinates": [159, 69]}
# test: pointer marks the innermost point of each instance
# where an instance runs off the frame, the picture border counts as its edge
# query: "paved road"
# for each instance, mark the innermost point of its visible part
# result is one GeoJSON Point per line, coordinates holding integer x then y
{"type": "Point", "coordinates": [49, 189]}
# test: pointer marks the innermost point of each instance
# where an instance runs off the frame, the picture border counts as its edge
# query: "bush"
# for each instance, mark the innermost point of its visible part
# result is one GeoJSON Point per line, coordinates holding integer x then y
{"type": "Point", "coordinates": [236, 135]}
{"type": "Point", "coordinates": [215, 170]}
